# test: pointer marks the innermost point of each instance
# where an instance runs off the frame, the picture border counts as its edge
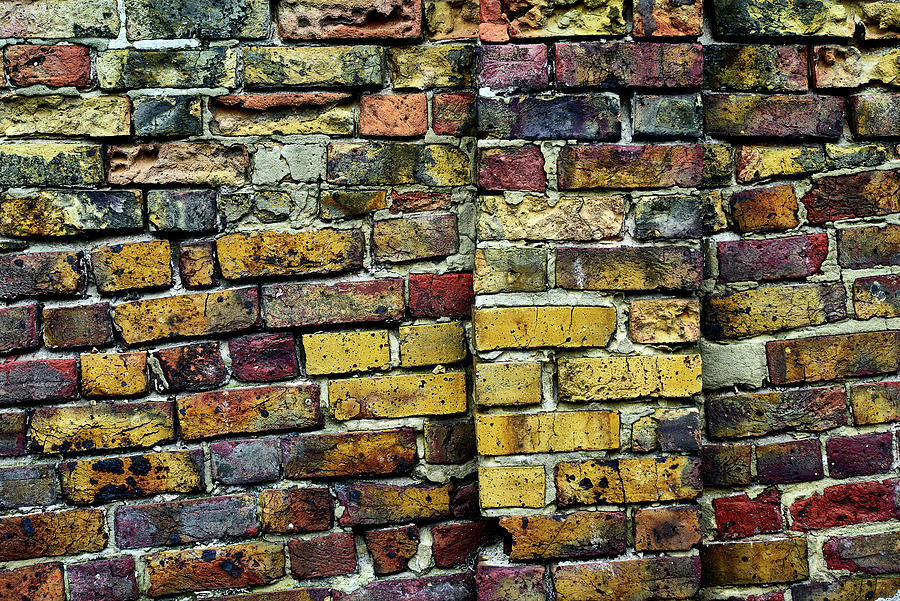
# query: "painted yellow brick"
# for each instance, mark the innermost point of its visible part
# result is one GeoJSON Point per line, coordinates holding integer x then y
{"type": "Point", "coordinates": [507, 384]}
{"type": "Point", "coordinates": [133, 266]}
{"type": "Point", "coordinates": [343, 352]}
{"type": "Point", "coordinates": [551, 432]}
{"type": "Point", "coordinates": [432, 344]}
{"type": "Point", "coordinates": [603, 378]}
{"type": "Point", "coordinates": [535, 327]}
{"type": "Point", "coordinates": [519, 486]}
{"type": "Point", "coordinates": [114, 374]}
{"type": "Point", "coordinates": [404, 395]}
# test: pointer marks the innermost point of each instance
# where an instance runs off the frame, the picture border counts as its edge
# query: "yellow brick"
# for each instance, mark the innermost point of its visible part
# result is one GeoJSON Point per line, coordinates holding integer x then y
{"type": "Point", "coordinates": [343, 352]}
{"type": "Point", "coordinates": [247, 255]}
{"type": "Point", "coordinates": [761, 162]}
{"type": "Point", "coordinates": [602, 378]}
{"type": "Point", "coordinates": [133, 266]}
{"type": "Point", "coordinates": [521, 486]}
{"type": "Point", "coordinates": [664, 321]}
{"type": "Point", "coordinates": [651, 479]}
{"type": "Point", "coordinates": [552, 432]}
{"type": "Point", "coordinates": [535, 327]}
{"type": "Point", "coordinates": [398, 396]}
{"type": "Point", "coordinates": [113, 374]}
{"type": "Point", "coordinates": [507, 384]}
{"type": "Point", "coordinates": [432, 344]}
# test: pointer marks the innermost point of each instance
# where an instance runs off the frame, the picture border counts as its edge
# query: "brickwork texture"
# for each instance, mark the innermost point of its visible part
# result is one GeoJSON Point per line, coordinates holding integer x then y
{"type": "Point", "coordinates": [449, 300]}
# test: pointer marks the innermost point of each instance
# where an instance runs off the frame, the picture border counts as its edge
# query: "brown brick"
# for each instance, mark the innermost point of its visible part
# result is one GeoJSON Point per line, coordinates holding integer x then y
{"type": "Point", "coordinates": [627, 167]}
{"type": "Point", "coordinates": [449, 442]}
{"type": "Point", "coordinates": [368, 504]}
{"type": "Point", "coordinates": [328, 555]}
{"type": "Point", "coordinates": [133, 266]}
{"type": "Point", "coordinates": [757, 562]}
{"type": "Point", "coordinates": [832, 357]}
{"type": "Point", "coordinates": [188, 367]}
{"type": "Point", "coordinates": [12, 433]}
{"type": "Point", "coordinates": [293, 305]}
{"type": "Point", "coordinates": [765, 209]}
{"type": "Point", "coordinates": [657, 578]}
{"type": "Point", "coordinates": [178, 163]}
{"type": "Point", "coordinates": [788, 462]}
{"type": "Point", "coordinates": [51, 534]}
{"type": "Point", "coordinates": [454, 544]}
{"type": "Point", "coordinates": [399, 115]}
{"type": "Point", "coordinates": [726, 465]}
{"type": "Point", "coordinates": [197, 264]}
{"type": "Point", "coordinates": [670, 528]}
{"type": "Point", "coordinates": [113, 374]}
{"type": "Point", "coordinates": [342, 454]}
{"type": "Point", "coordinates": [77, 326]}
{"type": "Point", "coordinates": [336, 204]}
{"type": "Point", "coordinates": [355, 19]}
{"type": "Point", "coordinates": [780, 116]}
{"type": "Point", "coordinates": [18, 328]}
{"type": "Point", "coordinates": [403, 395]}
{"type": "Point", "coordinates": [27, 486]}
{"type": "Point", "coordinates": [501, 583]}
{"type": "Point", "coordinates": [574, 535]}
{"type": "Point", "coordinates": [42, 581]}
{"type": "Point", "coordinates": [295, 510]}
{"type": "Point", "coordinates": [392, 548]}
{"type": "Point", "coordinates": [762, 413]}
{"type": "Point", "coordinates": [41, 274]}
{"type": "Point", "coordinates": [863, 247]}
{"type": "Point", "coordinates": [251, 255]}
{"type": "Point", "coordinates": [414, 238]}
{"type": "Point", "coordinates": [510, 269]}
{"type": "Point", "coordinates": [867, 553]}
{"type": "Point", "coordinates": [550, 432]}
{"type": "Point", "coordinates": [453, 114]}
{"type": "Point", "coordinates": [629, 268]}
{"type": "Point", "coordinates": [863, 194]}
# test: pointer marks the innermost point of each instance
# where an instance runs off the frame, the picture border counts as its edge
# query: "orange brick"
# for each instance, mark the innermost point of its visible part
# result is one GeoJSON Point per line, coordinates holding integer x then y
{"type": "Point", "coordinates": [402, 115]}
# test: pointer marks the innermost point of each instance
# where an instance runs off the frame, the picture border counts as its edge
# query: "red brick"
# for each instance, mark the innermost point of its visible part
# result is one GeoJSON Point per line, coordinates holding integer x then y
{"type": "Point", "coordinates": [740, 516]}
{"type": "Point", "coordinates": [453, 114]}
{"type": "Point", "coordinates": [772, 259]}
{"type": "Point", "coordinates": [392, 548]}
{"type": "Point", "coordinates": [450, 587]}
{"type": "Point", "coordinates": [295, 510]}
{"type": "Point", "coordinates": [353, 19]}
{"type": "Point", "coordinates": [263, 357]}
{"type": "Point", "coordinates": [519, 66]}
{"type": "Point", "coordinates": [53, 66]}
{"type": "Point", "coordinates": [668, 18]}
{"type": "Point", "coordinates": [846, 504]}
{"type": "Point", "coordinates": [446, 295]}
{"type": "Point", "coordinates": [38, 380]}
{"type": "Point", "coordinates": [39, 582]}
{"type": "Point", "coordinates": [867, 553]}
{"type": "Point", "coordinates": [786, 462]}
{"type": "Point", "coordinates": [399, 115]}
{"type": "Point", "coordinates": [329, 555]}
{"type": "Point", "coordinates": [512, 168]}
{"type": "Point", "coordinates": [190, 367]}
{"type": "Point", "coordinates": [629, 64]}
{"type": "Point", "coordinates": [77, 326]}
{"type": "Point", "coordinates": [103, 580]}
{"type": "Point", "coordinates": [452, 544]}
{"type": "Point", "coordinates": [18, 328]}
{"type": "Point", "coordinates": [855, 195]}
{"type": "Point", "coordinates": [668, 528]}
{"type": "Point", "coordinates": [861, 455]}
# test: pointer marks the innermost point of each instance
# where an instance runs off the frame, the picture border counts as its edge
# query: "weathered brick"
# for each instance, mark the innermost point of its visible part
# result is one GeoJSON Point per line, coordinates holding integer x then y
{"type": "Point", "coordinates": [454, 544]}
{"type": "Point", "coordinates": [244, 255]}
{"type": "Point", "coordinates": [198, 314]}
{"type": "Point", "coordinates": [38, 380]}
{"type": "Point", "coordinates": [519, 66]}
{"type": "Point", "coordinates": [300, 594]}
{"type": "Point", "coordinates": [127, 68]}
{"type": "Point", "coordinates": [293, 305]}
{"type": "Point", "coordinates": [206, 19]}
{"type": "Point", "coordinates": [61, 213]}
{"type": "Point", "coordinates": [857, 195]}
{"type": "Point", "coordinates": [249, 410]}
{"type": "Point", "coordinates": [47, 273]}
{"type": "Point", "coordinates": [182, 210]}
{"type": "Point", "coordinates": [841, 590]}
{"type": "Point", "coordinates": [550, 432]}
{"type": "Point", "coordinates": [307, 19]}
{"type": "Point", "coordinates": [50, 164]}
{"type": "Point", "coordinates": [876, 296]}
{"type": "Point", "coordinates": [184, 522]}
{"type": "Point", "coordinates": [372, 453]}
{"type": "Point", "coordinates": [664, 321]}
{"type": "Point", "coordinates": [103, 580]}
{"type": "Point", "coordinates": [755, 18]}
{"type": "Point", "coordinates": [12, 433]}
{"type": "Point", "coordinates": [726, 465]}
{"type": "Point", "coordinates": [197, 264]}
{"type": "Point", "coordinates": [845, 156]}
{"type": "Point", "coordinates": [51, 534]}
{"type": "Point", "coordinates": [336, 204]}
{"type": "Point", "coordinates": [629, 166]}
{"type": "Point", "coordinates": [178, 163]}
{"type": "Point", "coordinates": [132, 266]}
{"type": "Point", "coordinates": [668, 18]}
{"type": "Point", "coordinates": [444, 66]}
{"type": "Point", "coordinates": [667, 216]}
{"type": "Point", "coordinates": [669, 528]}
{"type": "Point", "coordinates": [507, 384]}
{"type": "Point", "coordinates": [786, 462]}
{"type": "Point", "coordinates": [449, 442]}
{"type": "Point", "coordinates": [847, 67]}
{"type": "Point", "coordinates": [755, 68]}
{"type": "Point", "coordinates": [667, 117]}
{"type": "Point", "coordinates": [739, 516]}
{"type": "Point", "coordinates": [498, 583]}
{"type": "Point", "coordinates": [297, 510]}
{"type": "Point", "coordinates": [167, 116]}
{"type": "Point", "coordinates": [406, 239]}
{"type": "Point", "coordinates": [718, 165]}
{"type": "Point", "coordinates": [54, 66]}
{"type": "Point", "coordinates": [762, 209]}
{"type": "Point", "coordinates": [327, 555]}
{"type": "Point", "coordinates": [832, 357]}
{"type": "Point", "coordinates": [27, 485]}
{"type": "Point", "coordinates": [403, 395]}
{"type": "Point", "coordinates": [868, 553]}
{"type": "Point", "coordinates": [862, 247]}
{"type": "Point", "coordinates": [876, 403]}
{"type": "Point", "coordinates": [515, 486]}
{"type": "Point", "coordinates": [875, 115]}
{"type": "Point", "coordinates": [65, 19]}
{"type": "Point", "coordinates": [113, 374]}
{"type": "Point", "coordinates": [189, 367]}
{"type": "Point", "coordinates": [445, 295]}
{"type": "Point", "coordinates": [631, 480]}
{"type": "Point", "coordinates": [312, 66]}
{"type": "Point", "coordinates": [173, 572]}
{"type": "Point", "coordinates": [39, 581]}
{"type": "Point", "coordinates": [343, 352]}
{"type": "Point", "coordinates": [396, 163]}
{"type": "Point", "coordinates": [538, 117]}
{"type": "Point", "coordinates": [245, 461]}
{"type": "Point", "coordinates": [510, 269]}
{"type": "Point", "coordinates": [95, 481]}
{"type": "Point", "coordinates": [861, 455]}
{"type": "Point", "coordinates": [18, 328]}
{"type": "Point", "coordinates": [777, 116]}
{"type": "Point", "coordinates": [396, 115]}
{"type": "Point", "coordinates": [432, 344]}
{"type": "Point", "coordinates": [453, 114]}
{"type": "Point", "coordinates": [451, 19]}
{"type": "Point", "coordinates": [263, 357]}
{"type": "Point", "coordinates": [412, 202]}
{"type": "Point", "coordinates": [286, 114]}
{"type": "Point", "coordinates": [512, 168]}
{"type": "Point", "coordinates": [451, 587]}
{"type": "Point", "coordinates": [502, 21]}
{"type": "Point", "coordinates": [597, 378]}
{"type": "Point", "coordinates": [764, 162]}
{"type": "Point", "coordinates": [573, 217]}
{"type": "Point", "coordinates": [392, 548]}
{"type": "Point", "coordinates": [94, 116]}
{"type": "Point", "coordinates": [369, 503]}
{"type": "Point", "coordinates": [771, 259]}
{"type": "Point", "coordinates": [757, 562]}
{"type": "Point", "coordinates": [668, 429]}
{"type": "Point", "coordinates": [574, 535]}
{"type": "Point", "coordinates": [543, 326]}
{"type": "Point", "coordinates": [846, 504]}
{"type": "Point", "coordinates": [628, 64]}
{"type": "Point", "coordinates": [80, 428]}
{"type": "Point", "coordinates": [628, 580]}
{"type": "Point", "coordinates": [759, 414]}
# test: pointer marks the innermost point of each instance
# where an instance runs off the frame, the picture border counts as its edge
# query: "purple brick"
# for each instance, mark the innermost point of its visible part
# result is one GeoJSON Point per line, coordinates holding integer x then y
{"type": "Point", "coordinates": [779, 116]}
{"type": "Point", "coordinates": [774, 259]}
{"type": "Point", "coordinates": [183, 522]}
{"type": "Point", "coordinates": [27, 485]}
{"type": "Point", "coordinates": [452, 587]}
{"type": "Point", "coordinates": [861, 455]}
{"type": "Point", "coordinates": [626, 64]}
{"type": "Point", "coordinates": [263, 357]}
{"type": "Point", "coordinates": [502, 583]}
{"type": "Point", "coordinates": [38, 380]}
{"type": "Point", "coordinates": [245, 461]}
{"type": "Point", "coordinates": [103, 580]}
{"type": "Point", "coordinates": [520, 66]}
{"type": "Point", "coordinates": [532, 117]}
{"type": "Point", "coordinates": [328, 555]}
{"type": "Point", "coordinates": [78, 326]}
{"type": "Point", "coordinates": [725, 465]}
{"type": "Point", "coordinates": [512, 168]}
{"type": "Point", "coordinates": [786, 462]}
{"type": "Point", "coordinates": [12, 433]}
{"type": "Point", "coordinates": [18, 328]}
{"type": "Point", "coordinates": [41, 274]}
{"type": "Point", "coordinates": [192, 367]}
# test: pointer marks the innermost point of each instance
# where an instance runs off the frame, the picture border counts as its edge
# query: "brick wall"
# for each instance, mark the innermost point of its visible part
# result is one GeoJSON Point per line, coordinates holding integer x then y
{"type": "Point", "coordinates": [440, 300]}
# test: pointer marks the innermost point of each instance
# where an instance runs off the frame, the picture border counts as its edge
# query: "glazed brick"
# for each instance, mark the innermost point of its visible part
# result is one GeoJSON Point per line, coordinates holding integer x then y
{"type": "Point", "coordinates": [392, 548]}
{"type": "Point", "coordinates": [449, 294]}
{"type": "Point", "coordinates": [197, 264]}
{"type": "Point", "coordinates": [12, 433]}
{"type": "Point", "coordinates": [575, 535]}
{"type": "Point", "coordinates": [771, 259]}
{"type": "Point", "coordinates": [765, 209]}
{"type": "Point", "coordinates": [860, 455]}
{"type": "Point", "coordinates": [263, 357]}
{"type": "Point", "coordinates": [740, 516]}
{"type": "Point", "coordinates": [629, 268]}
{"type": "Point", "coordinates": [328, 555]}
{"type": "Point", "coordinates": [519, 66]}
{"type": "Point", "coordinates": [846, 504]}
{"type": "Point", "coordinates": [726, 465]}
{"type": "Point", "coordinates": [449, 442]}
{"type": "Point", "coordinates": [628, 64]}
{"type": "Point", "coordinates": [543, 326]}
{"type": "Point", "coordinates": [245, 461]}
{"type": "Point", "coordinates": [295, 510]}
{"type": "Point", "coordinates": [512, 168]}
{"type": "Point", "coordinates": [96, 481]}
{"type": "Point", "coordinates": [757, 162]}
{"type": "Point", "coordinates": [669, 528]}
{"type": "Point", "coordinates": [39, 274]}
{"type": "Point", "coordinates": [103, 580]}
{"type": "Point", "coordinates": [173, 572]}
{"type": "Point", "coordinates": [755, 68]}
{"type": "Point", "coordinates": [876, 296]}
{"type": "Point", "coordinates": [629, 166]}
{"type": "Point", "coordinates": [372, 504]}
{"type": "Point", "coordinates": [189, 367]}
{"type": "Point", "coordinates": [600, 378]}
{"type": "Point", "coordinates": [18, 328]}
{"type": "Point", "coordinates": [370, 453]}
{"type": "Point", "coordinates": [869, 553]}
{"type": "Point", "coordinates": [27, 486]}
{"type": "Point", "coordinates": [198, 314]}
{"type": "Point", "coordinates": [863, 247]}
{"type": "Point", "coordinates": [453, 114]}
{"type": "Point", "coordinates": [873, 115]}
{"type": "Point", "coordinates": [832, 357]}
{"type": "Point", "coordinates": [403, 395]}
{"type": "Point", "coordinates": [628, 580]}
{"type": "Point", "coordinates": [38, 380]}
{"type": "Point", "coordinates": [50, 164]}
{"type": "Point", "coordinates": [43, 581]}
{"type": "Point", "coordinates": [184, 522]}
{"type": "Point", "coordinates": [453, 544]}
{"type": "Point", "coordinates": [396, 164]}
{"type": "Point", "coordinates": [541, 432]}
{"type": "Point", "coordinates": [540, 117]}
{"type": "Point", "coordinates": [113, 374]}
{"type": "Point", "coordinates": [422, 67]}
{"type": "Point", "coordinates": [293, 305]}
{"type": "Point", "coordinates": [778, 116]}
{"type": "Point", "coordinates": [756, 562]}
{"type": "Point", "coordinates": [863, 194]}
{"type": "Point", "coordinates": [416, 238]}
{"type": "Point", "coordinates": [52, 534]}
{"type": "Point", "coordinates": [759, 414]}
{"type": "Point", "coordinates": [499, 583]}
{"type": "Point", "coordinates": [80, 428]}
{"type": "Point", "coordinates": [253, 255]}
{"type": "Point", "coordinates": [668, 18]}
{"type": "Point", "coordinates": [53, 66]}
{"type": "Point", "coordinates": [450, 587]}
{"type": "Point", "coordinates": [398, 115]}
{"type": "Point", "coordinates": [876, 403]}
{"type": "Point", "coordinates": [77, 326]}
